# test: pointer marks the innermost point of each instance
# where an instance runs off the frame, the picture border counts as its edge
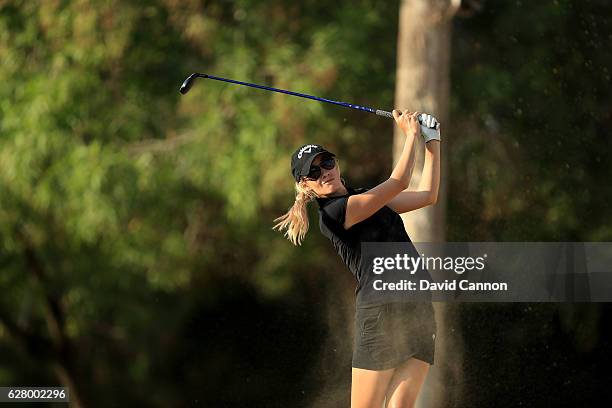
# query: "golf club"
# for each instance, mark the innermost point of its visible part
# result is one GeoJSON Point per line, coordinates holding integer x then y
{"type": "Point", "coordinates": [188, 83]}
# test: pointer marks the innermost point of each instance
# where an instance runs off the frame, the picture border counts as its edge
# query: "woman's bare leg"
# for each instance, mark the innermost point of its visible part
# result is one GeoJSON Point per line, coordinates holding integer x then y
{"type": "Point", "coordinates": [368, 387]}
{"type": "Point", "coordinates": [406, 383]}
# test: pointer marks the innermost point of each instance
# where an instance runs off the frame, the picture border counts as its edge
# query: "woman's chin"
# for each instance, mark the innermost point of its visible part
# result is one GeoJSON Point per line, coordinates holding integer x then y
{"type": "Point", "coordinates": [331, 188]}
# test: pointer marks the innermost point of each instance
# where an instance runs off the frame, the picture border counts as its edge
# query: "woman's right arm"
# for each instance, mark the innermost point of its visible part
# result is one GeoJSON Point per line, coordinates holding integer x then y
{"type": "Point", "coordinates": [361, 206]}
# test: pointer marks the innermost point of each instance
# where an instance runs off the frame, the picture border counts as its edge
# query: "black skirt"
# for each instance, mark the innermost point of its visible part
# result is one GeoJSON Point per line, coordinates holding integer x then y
{"type": "Point", "coordinates": [388, 335]}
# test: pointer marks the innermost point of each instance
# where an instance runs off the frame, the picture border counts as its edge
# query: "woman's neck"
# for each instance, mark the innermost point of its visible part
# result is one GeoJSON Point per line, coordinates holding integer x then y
{"type": "Point", "coordinates": [338, 193]}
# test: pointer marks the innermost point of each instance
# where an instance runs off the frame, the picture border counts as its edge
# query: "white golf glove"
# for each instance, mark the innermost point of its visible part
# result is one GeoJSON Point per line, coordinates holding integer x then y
{"type": "Point", "coordinates": [430, 127]}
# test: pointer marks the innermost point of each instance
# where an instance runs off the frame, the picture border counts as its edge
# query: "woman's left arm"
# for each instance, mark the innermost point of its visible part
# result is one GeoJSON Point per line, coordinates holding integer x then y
{"type": "Point", "coordinates": [427, 191]}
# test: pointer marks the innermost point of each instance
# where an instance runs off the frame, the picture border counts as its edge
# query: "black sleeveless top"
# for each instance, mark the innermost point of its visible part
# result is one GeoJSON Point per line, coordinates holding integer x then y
{"type": "Point", "coordinates": [385, 225]}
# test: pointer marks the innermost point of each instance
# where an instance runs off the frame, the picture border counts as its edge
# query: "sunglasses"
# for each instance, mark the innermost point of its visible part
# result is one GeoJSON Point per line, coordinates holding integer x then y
{"type": "Point", "coordinates": [326, 163]}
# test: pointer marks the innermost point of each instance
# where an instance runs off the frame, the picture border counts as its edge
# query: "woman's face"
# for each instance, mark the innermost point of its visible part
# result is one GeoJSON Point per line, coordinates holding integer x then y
{"type": "Point", "coordinates": [329, 182]}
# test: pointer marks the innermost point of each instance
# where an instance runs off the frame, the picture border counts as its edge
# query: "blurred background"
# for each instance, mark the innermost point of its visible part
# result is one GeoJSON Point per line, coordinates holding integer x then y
{"type": "Point", "coordinates": [138, 265]}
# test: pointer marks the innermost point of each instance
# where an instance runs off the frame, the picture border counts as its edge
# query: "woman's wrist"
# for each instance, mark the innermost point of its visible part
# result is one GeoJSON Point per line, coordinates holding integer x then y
{"type": "Point", "coordinates": [410, 134]}
{"type": "Point", "coordinates": [433, 147]}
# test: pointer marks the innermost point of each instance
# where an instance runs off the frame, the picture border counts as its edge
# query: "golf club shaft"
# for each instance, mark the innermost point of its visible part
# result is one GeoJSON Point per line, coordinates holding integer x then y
{"type": "Point", "coordinates": [188, 82]}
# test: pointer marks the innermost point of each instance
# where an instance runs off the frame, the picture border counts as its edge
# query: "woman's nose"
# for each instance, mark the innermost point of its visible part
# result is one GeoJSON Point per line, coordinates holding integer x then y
{"type": "Point", "coordinates": [324, 173]}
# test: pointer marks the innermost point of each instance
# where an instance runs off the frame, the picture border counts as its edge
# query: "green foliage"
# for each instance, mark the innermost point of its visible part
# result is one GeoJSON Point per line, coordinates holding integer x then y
{"type": "Point", "coordinates": [530, 109]}
{"type": "Point", "coordinates": [127, 204]}
{"type": "Point", "coordinates": [146, 216]}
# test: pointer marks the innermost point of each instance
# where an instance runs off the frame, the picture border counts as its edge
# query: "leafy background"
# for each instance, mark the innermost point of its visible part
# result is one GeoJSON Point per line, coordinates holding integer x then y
{"type": "Point", "coordinates": [137, 259]}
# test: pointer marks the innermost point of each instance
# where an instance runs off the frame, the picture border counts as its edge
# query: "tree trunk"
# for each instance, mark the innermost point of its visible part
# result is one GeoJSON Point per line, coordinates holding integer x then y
{"type": "Point", "coordinates": [423, 84]}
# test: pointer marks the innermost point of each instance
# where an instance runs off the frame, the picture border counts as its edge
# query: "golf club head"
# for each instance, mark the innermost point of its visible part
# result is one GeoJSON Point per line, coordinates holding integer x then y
{"type": "Point", "coordinates": [188, 83]}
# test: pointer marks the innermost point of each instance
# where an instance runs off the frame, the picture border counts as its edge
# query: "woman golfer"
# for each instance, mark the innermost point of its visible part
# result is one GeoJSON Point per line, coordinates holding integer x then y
{"type": "Point", "coordinates": [394, 342]}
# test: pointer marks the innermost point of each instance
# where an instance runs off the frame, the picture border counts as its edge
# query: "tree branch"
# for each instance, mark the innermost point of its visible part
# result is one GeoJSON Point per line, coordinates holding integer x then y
{"type": "Point", "coordinates": [33, 344]}
{"type": "Point", "coordinates": [53, 312]}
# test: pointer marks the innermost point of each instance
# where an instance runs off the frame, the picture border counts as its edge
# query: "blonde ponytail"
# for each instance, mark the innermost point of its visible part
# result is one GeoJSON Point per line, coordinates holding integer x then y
{"type": "Point", "coordinates": [295, 221]}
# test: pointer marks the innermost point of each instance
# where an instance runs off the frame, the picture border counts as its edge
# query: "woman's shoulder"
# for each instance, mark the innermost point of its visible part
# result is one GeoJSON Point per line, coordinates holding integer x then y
{"type": "Point", "coordinates": [335, 207]}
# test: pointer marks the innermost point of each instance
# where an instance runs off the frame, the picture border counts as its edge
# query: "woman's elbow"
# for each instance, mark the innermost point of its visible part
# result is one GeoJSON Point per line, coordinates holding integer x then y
{"type": "Point", "coordinates": [433, 199]}
{"type": "Point", "coordinates": [400, 183]}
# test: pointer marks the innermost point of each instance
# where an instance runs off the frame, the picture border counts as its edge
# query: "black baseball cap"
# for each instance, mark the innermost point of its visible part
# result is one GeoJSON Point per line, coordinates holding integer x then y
{"type": "Point", "coordinates": [303, 157]}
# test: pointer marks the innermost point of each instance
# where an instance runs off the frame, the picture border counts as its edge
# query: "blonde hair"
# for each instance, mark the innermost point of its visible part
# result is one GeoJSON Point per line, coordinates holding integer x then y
{"type": "Point", "coordinates": [295, 221]}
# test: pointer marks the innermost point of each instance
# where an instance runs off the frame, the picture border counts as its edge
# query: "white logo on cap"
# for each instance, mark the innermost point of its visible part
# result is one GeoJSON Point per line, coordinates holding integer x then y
{"type": "Point", "coordinates": [306, 149]}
